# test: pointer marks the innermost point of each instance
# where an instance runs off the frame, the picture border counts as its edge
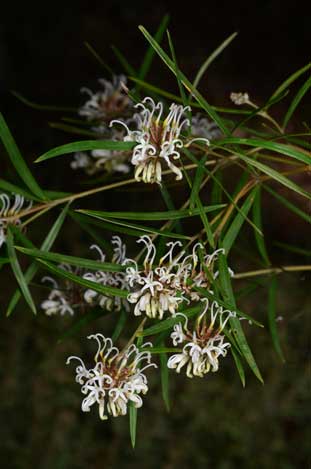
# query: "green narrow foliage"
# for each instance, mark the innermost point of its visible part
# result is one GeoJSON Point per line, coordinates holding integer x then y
{"type": "Point", "coordinates": [281, 148]}
{"type": "Point", "coordinates": [18, 161]}
{"type": "Point", "coordinates": [42, 107]}
{"type": "Point", "coordinates": [295, 249]}
{"type": "Point", "coordinates": [213, 115]}
{"type": "Point", "coordinates": [236, 225]}
{"type": "Point", "coordinates": [72, 129]}
{"type": "Point", "coordinates": [72, 260]}
{"type": "Point", "coordinates": [46, 245]}
{"type": "Point", "coordinates": [260, 241]}
{"type": "Point", "coordinates": [148, 59]}
{"type": "Point", "coordinates": [300, 213]}
{"type": "Point", "coordinates": [119, 326]}
{"type": "Point", "coordinates": [211, 59]}
{"type": "Point", "coordinates": [167, 324]}
{"type": "Point", "coordinates": [98, 57]}
{"type": "Point", "coordinates": [291, 80]}
{"type": "Point", "coordinates": [85, 145]}
{"type": "Point", "coordinates": [11, 188]}
{"type": "Point", "coordinates": [124, 62]}
{"type": "Point", "coordinates": [165, 380]}
{"type": "Point", "coordinates": [18, 272]}
{"type": "Point", "coordinates": [152, 216]}
{"type": "Point", "coordinates": [238, 365]}
{"type": "Point", "coordinates": [272, 317]}
{"type": "Point", "coordinates": [237, 330]}
{"type": "Point", "coordinates": [104, 289]}
{"type": "Point", "coordinates": [302, 91]}
{"type": "Point", "coordinates": [133, 422]}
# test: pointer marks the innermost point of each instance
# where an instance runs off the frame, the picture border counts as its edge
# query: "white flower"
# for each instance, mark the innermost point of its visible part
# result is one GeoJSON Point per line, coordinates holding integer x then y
{"type": "Point", "coordinates": [239, 98]}
{"type": "Point", "coordinates": [8, 209]}
{"type": "Point", "coordinates": [113, 279]}
{"type": "Point", "coordinates": [64, 298]}
{"type": "Point", "coordinates": [157, 289]}
{"type": "Point", "coordinates": [202, 127]}
{"type": "Point", "coordinates": [111, 102]}
{"type": "Point", "coordinates": [202, 346]}
{"type": "Point", "coordinates": [158, 141]}
{"type": "Point", "coordinates": [116, 379]}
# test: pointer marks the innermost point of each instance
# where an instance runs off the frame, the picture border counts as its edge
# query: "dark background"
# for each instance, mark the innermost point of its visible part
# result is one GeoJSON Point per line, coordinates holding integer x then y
{"type": "Point", "coordinates": [213, 422]}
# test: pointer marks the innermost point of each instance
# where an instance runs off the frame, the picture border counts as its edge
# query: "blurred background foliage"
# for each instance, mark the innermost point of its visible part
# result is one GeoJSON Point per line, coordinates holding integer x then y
{"type": "Point", "coordinates": [213, 422]}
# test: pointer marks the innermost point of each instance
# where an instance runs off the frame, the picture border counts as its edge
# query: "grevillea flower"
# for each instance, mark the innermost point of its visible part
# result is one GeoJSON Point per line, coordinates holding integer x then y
{"type": "Point", "coordinates": [240, 98]}
{"type": "Point", "coordinates": [108, 103]}
{"type": "Point", "coordinates": [158, 141]}
{"type": "Point", "coordinates": [161, 286]}
{"type": "Point", "coordinates": [10, 208]}
{"type": "Point", "coordinates": [203, 345]}
{"type": "Point", "coordinates": [64, 297]}
{"type": "Point", "coordinates": [112, 279]}
{"type": "Point", "coordinates": [202, 127]}
{"type": "Point", "coordinates": [116, 379]}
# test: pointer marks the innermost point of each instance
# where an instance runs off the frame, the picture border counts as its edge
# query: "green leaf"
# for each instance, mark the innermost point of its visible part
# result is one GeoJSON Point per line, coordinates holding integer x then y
{"type": "Point", "coordinates": [272, 173]}
{"type": "Point", "coordinates": [103, 289]}
{"type": "Point", "coordinates": [98, 57]}
{"type": "Point", "coordinates": [133, 229]}
{"type": "Point", "coordinates": [272, 318]}
{"type": "Point", "coordinates": [161, 350]}
{"type": "Point", "coordinates": [260, 241]}
{"type": "Point", "coordinates": [123, 61]}
{"type": "Point", "coordinates": [298, 97]}
{"type": "Point", "coordinates": [147, 61]}
{"type": "Point", "coordinates": [133, 422]}
{"type": "Point", "coordinates": [9, 187]}
{"type": "Point", "coordinates": [120, 325]}
{"type": "Point", "coordinates": [85, 145]}
{"type": "Point", "coordinates": [235, 324]}
{"type": "Point", "coordinates": [73, 129]}
{"type": "Point", "coordinates": [239, 365]}
{"type": "Point", "coordinates": [211, 59]}
{"type": "Point", "coordinates": [18, 161]}
{"type": "Point", "coordinates": [42, 107]}
{"type": "Point", "coordinates": [300, 213]}
{"type": "Point", "coordinates": [18, 271]}
{"type": "Point", "coordinates": [171, 65]}
{"type": "Point", "coordinates": [295, 249]}
{"type": "Point", "coordinates": [237, 223]}
{"type": "Point", "coordinates": [46, 245]}
{"type": "Point", "coordinates": [4, 260]}
{"type": "Point", "coordinates": [290, 80]}
{"type": "Point", "coordinates": [152, 216]}
{"type": "Point", "coordinates": [165, 381]}
{"type": "Point", "coordinates": [72, 260]}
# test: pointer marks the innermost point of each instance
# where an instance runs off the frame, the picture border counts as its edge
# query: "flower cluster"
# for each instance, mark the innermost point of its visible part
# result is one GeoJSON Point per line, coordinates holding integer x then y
{"type": "Point", "coordinates": [158, 141]}
{"type": "Point", "coordinates": [68, 296]}
{"type": "Point", "coordinates": [112, 279]}
{"type": "Point", "coordinates": [203, 345]}
{"type": "Point", "coordinates": [8, 209]}
{"type": "Point", "coordinates": [240, 98]}
{"type": "Point", "coordinates": [99, 109]}
{"type": "Point", "coordinates": [116, 379]}
{"type": "Point", "coordinates": [160, 287]}
{"type": "Point", "coordinates": [202, 127]}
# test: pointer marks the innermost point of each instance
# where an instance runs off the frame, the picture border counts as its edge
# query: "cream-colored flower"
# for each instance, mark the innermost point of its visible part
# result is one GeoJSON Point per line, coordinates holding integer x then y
{"type": "Point", "coordinates": [116, 379]}
{"type": "Point", "coordinates": [203, 345]}
{"type": "Point", "coordinates": [10, 208]}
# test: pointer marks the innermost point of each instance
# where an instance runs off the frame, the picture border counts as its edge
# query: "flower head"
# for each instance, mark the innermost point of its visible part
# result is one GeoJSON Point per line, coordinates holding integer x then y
{"type": "Point", "coordinates": [162, 285]}
{"type": "Point", "coordinates": [66, 297]}
{"type": "Point", "coordinates": [202, 127]}
{"type": "Point", "coordinates": [239, 98]}
{"type": "Point", "coordinates": [203, 345]}
{"type": "Point", "coordinates": [10, 208]}
{"type": "Point", "coordinates": [107, 104]}
{"type": "Point", "coordinates": [116, 379]}
{"type": "Point", "coordinates": [158, 141]}
{"type": "Point", "coordinates": [113, 279]}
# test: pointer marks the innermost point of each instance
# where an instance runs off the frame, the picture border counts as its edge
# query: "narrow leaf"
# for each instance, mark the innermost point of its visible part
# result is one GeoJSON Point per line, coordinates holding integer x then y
{"type": "Point", "coordinates": [302, 91]}
{"type": "Point", "coordinates": [133, 422]}
{"type": "Point", "coordinates": [272, 317]}
{"type": "Point", "coordinates": [18, 272]}
{"type": "Point", "coordinates": [165, 380]}
{"type": "Point", "coordinates": [18, 161]}
{"type": "Point", "coordinates": [260, 241]}
{"type": "Point", "coordinates": [238, 365]}
{"type": "Point", "coordinates": [46, 245]}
